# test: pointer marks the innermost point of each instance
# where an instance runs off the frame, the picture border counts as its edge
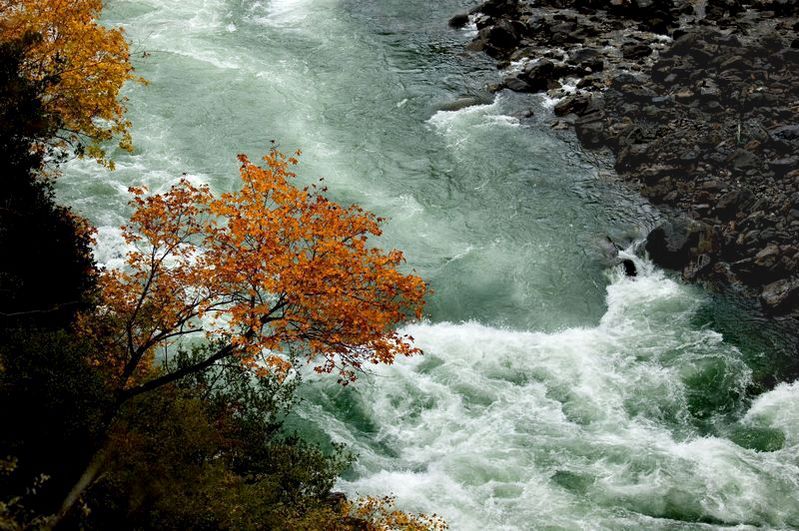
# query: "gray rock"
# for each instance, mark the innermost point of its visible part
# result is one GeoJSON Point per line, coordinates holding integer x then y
{"type": "Point", "coordinates": [781, 296]}
{"type": "Point", "coordinates": [670, 244]}
{"type": "Point", "coordinates": [458, 21]}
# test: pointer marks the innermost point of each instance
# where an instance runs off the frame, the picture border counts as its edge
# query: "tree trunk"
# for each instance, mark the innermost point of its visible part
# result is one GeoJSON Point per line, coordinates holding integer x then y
{"type": "Point", "coordinates": [86, 479]}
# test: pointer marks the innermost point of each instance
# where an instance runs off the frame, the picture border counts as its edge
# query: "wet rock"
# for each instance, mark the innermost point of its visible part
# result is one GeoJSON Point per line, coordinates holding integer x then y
{"type": "Point", "coordinates": [464, 102]}
{"type": "Point", "coordinates": [517, 84]}
{"type": "Point", "coordinates": [458, 21]}
{"type": "Point", "coordinates": [781, 296]}
{"type": "Point", "coordinates": [768, 257]}
{"type": "Point", "coordinates": [698, 268]}
{"type": "Point", "coordinates": [629, 268]}
{"type": "Point", "coordinates": [635, 51]}
{"type": "Point", "coordinates": [539, 75]}
{"type": "Point", "coordinates": [576, 103]}
{"type": "Point", "coordinates": [670, 244]}
{"type": "Point", "coordinates": [591, 130]}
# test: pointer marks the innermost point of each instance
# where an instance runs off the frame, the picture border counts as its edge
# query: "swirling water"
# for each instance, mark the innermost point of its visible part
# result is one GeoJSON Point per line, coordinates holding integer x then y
{"type": "Point", "coordinates": [554, 393]}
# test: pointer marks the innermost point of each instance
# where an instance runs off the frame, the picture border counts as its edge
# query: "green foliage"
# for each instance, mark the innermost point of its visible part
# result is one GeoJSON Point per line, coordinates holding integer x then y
{"type": "Point", "coordinates": [52, 410]}
{"type": "Point", "coordinates": [209, 453]}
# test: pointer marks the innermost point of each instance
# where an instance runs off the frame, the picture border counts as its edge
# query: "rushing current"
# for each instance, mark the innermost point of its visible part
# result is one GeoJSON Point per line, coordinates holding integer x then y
{"type": "Point", "coordinates": [554, 393]}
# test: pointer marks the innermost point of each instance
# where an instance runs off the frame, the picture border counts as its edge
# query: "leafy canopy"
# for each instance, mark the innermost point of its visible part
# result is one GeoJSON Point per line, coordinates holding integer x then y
{"type": "Point", "coordinates": [268, 271]}
{"type": "Point", "coordinates": [78, 65]}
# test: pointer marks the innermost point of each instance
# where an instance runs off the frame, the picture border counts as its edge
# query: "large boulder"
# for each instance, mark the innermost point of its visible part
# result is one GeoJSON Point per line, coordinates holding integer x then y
{"type": "Point", "coordinates": [671, 244]}
{"type": "Point", "coordinates": [459, 21]}
{"type": "Point", "coordinates": [780, 296]}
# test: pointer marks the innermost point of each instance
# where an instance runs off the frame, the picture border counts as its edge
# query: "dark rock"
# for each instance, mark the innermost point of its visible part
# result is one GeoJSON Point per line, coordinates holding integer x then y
{"type": "Point", "coordinates": [502, 36]}
{"type": "Point", "coordinates": [496, 40]}
{"type": "Point", "coordinates": [731, 203]}
{"type": "Point", "coordinates": [788, 133]}
{"type": "Point", "coordinates": [629, 268]}
{"type": "Point", "coordinates": [517, 84]}
{"type": "Point", "coordinates": [706, 123]}
{"type": "Point", "coordinates": [335, 499]}
{"type": "Point", "coordinates": [458, 21]}
{"type": "Point", "coordinates": [742, 159]}
{"type": "Point", "coordinates": [670, 244]}
{"type": "Point", "coordinates": [635, 51]}
{"type": "Point", "coordinates": [784, 165]}
{"type": "Point", "coordinates": [463, 102]}
{"type": "Point", "coordinates": [583, 55]}
{"type": "Point", "coordinates": [736, 62]}
{"type": "Point", "coordinates": [768, 257]}
{"type": "Point", "coordinates": [591, 131]}
{"type": "Point", "coordinates": [496, 8]}
{"type": "Point", "coordinates": [539, 75]}
{"type": "Point", "coordinates": [781, 296]}
{"type": "Point", "coordinates": [683, 44]}
{"type": "Point", "coordinates": [698, 268]}
{"type": "Point", "coordinates": [576, 103]}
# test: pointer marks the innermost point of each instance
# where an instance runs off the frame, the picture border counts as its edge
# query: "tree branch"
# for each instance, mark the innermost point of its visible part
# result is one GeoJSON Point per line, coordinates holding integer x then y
{"type": "Point", "coordinates": [220, 354]}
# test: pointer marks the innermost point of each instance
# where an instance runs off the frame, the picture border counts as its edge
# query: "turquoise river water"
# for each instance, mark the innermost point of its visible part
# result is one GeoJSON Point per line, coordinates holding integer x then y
{"type": "Point", "coordinates": [554, 393]}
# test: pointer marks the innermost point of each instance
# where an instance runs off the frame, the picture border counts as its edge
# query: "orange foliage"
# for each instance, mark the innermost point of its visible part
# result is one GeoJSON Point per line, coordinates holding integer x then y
{"type": "Point", "coordinates": [79, 65]}
{"type": "Point", "coordinates": [267, 271]}
{"type": "Point", "coordinates": [380, 514]}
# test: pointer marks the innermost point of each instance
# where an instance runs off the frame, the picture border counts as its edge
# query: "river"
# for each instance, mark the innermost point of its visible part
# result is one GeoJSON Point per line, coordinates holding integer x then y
{"type": "Point", "coordinates": [554, 393]}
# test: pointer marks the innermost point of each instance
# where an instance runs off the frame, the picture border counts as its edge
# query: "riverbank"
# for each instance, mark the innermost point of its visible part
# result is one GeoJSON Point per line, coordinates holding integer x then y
{"type": "Point", "coordinates": [699, 105]}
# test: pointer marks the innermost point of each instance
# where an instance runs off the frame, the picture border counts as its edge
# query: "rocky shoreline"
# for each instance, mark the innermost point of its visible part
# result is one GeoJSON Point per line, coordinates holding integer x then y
{"type": "Point", "coordinates": [698, 102]}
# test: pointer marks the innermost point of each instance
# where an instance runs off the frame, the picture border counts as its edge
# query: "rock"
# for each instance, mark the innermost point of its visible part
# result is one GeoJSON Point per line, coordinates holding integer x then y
{"type": "Point", "coordinates": [517, 84]}
{"type": "Point", "coordinates": [709, 90]}
{"type": "Point", "coordinates": [787, 133]}
{"type": "Point", "coordinates": [768, 257]}
{"type": "Point", "coordinates": [781, 296]}
{"type": "Point", "coordinates": [742, 159]}
{"type": "Point", "coordinates": [497, 40]}
{"type": "Point", "coordinates": [463, 102]}
{"type": "Point", "coordinates": [706, 123]}
{"type": "Point", "coordinates": [590, 130]}
{"type": "Point", "coordinates": [495, 8]}
{"type": "Point", "coordinates": [584, 55]}
{"type": "Point", "coordinates": [335, 499]}
{"type": "Point", "coordinates": [629, 268]}
{"type": "Point", "coordinates": [635, 51]}
{"type": "Point", "coordinates": [459, 21]}
{"type": "Point", "coordinates": [784, 165]}
{"type": "Point", "coordinates": [576, 103]}
{"type": "Point", "coordinates": [736, 62]}
{"type": "Point", "coordinates": [698, 268]}
{"type": "Point", "coordinates": [684, 96]}
{"type": "Point", "coordinates": [731, 203]}
{"type": "Point", "coordinates": [670, 244]}
{"type": "Point", "coordinates": [502, 36]}
{"type": "Point", "coordinates": [683, 44]}
{"type": "Point", "coordinates": [539, 75]}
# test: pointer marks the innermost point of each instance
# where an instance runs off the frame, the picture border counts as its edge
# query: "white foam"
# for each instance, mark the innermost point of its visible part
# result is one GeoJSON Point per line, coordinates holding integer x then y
{"type": "Point", "coordinates": [490, 423]}
{"type": "Point", "coordinates": [458, 125]}
{"type": "Point", "coordinates": [287, 14]}
{"type": "Point", "coordinates": [779, 409]}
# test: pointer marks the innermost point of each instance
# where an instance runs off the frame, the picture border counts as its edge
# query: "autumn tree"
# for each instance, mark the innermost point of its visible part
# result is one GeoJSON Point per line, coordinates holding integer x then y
{"type": "Point", "coordinates": [267, 272]}
{"type": "Point", "coordinates": [78, 67]}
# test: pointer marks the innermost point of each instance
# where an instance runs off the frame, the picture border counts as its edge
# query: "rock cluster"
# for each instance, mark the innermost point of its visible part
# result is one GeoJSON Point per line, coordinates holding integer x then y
{"type": "Point", "coordinates": [698, 101]}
